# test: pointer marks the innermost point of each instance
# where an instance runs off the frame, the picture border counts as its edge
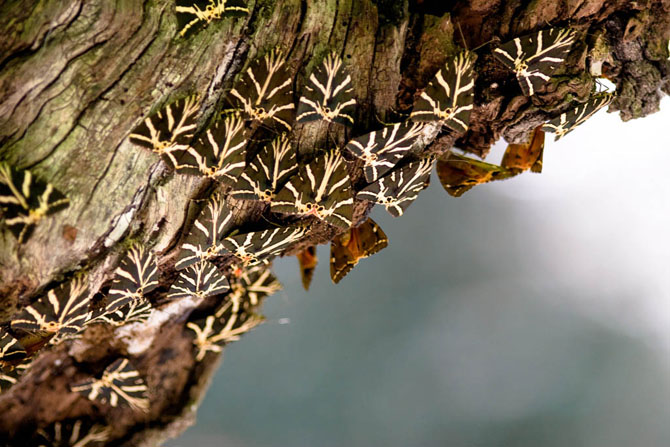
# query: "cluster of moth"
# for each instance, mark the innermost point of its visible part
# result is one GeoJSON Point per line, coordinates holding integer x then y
{"type": "Point", "coordinates": [395, 172]}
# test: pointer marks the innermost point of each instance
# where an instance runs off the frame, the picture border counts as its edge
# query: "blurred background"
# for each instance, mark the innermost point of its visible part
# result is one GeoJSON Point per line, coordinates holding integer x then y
{"type": "Point", "coordinates": [529, 312]}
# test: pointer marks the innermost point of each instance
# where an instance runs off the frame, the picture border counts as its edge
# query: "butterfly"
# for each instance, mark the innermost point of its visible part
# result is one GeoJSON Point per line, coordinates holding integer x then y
{"type": "Point", "coordinates": [258, 246]}
{"type": "Point", "coordinates": [458, 174]}
{"type": "Point", "coordinates": [192, 12]}
{"type": "Point", "coordinates": [136, 276]}
{"type": "Point", "coordinates": [397, 190]}
{"type": "Point", "coordinates": [322, 189]}
{"type": "Point", "coordinates": [566, 122]}
{"type": "Point", "coordinates": [72, 433]}
{"type": "Point", "coordinates": [136, 311]}
{"type": "Point", "coordinates": [352, 246]}
{"type": "Point", "coordinates": [200, 280]}
{"type": "Point", "coordinates": [264, 93]}
{"type": "Point", "coordinates": [307, 260]}
{"type": "Point", "coordinates": [449, 97]}
{"type": "Point", "coordinates": [382, 149]}
{"type": "Point", "coordinates": [535, 57]}
{"type": "Point", "coordinates": [328, 94]}
{"type": "Point", "coordinates": [25, 201]}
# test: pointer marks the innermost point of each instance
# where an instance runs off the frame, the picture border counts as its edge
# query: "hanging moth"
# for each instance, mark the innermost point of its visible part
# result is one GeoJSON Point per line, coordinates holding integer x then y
{"type": "Point", "coordinates": [357, 243]}
{"type": "Point", "coordinates": [25, 201]}
{"type": "Point", "coordinates": [72, 433]}
{"type": "Point", "coordinates": [322, 189]}
{"type": "Point", "coordinates": [397, 190]}
{"type": "Point", "coordinates": [136, 276]}
{"type": "Point", "coordinates": [256, 247]}
{"type": "Point", "coordinates": [218, 153]}
{"type": "Point", "coordinates": [307, 260]}
{"type": "Point", "coordinates": [193, 12]}
{"type": "Point", "coordinates": [328, 94]}
{"type": "Point", "coordinates": [382, 149]}
{"type": "Point", "coordinates": [522, 157]}
{"type": "Point", "coordinates": [458, 174]}
{"type": "Point", "coordinates": [567, 121]}
{"type": "Point", "coordinates": [253, 284]}
{"type": "Point", "coordinates": [449, 97]}
{"type": "Point", "coordinates": [136, 311]}
{"type": "Point", "coordinates": [212, 333]}
{"type": "Point", "coordinates": [535, 57]}
{"type": "Point", "coordinates": [265, 94]}
{"type": "Point", "coordinates": [62, 312]}
{"type": "Point", "coordinates": [201, 280]}
{"type": "Point", "coordinates": [9, 375]}
{"type": "Point", "coordinates": [120, 383]}
{"type": "Point", "coordinates": [169, 130]}
{"type": "Point", "coordinates": [203, 242]}
{"type": "Point", "coordinates": [10, 348]}
{"type": "Point", "coordinates": [268, 172]}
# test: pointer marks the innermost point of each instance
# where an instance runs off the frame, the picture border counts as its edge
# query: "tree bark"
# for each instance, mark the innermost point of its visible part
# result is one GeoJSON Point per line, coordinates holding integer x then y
{"type": "Point", "coordinates": [76, 77]}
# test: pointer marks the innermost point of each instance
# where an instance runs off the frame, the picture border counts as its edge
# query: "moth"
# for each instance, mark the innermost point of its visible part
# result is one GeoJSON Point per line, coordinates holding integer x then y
{"type": "Point", "coordinates": [525, 156]}
{"type": "Point", "coordinates": [72, 433]}
{"type": "Point", "coordinates": [193, 12]}
{"type": "Point", "coordinates": [256, 247]}
{"type": "Point", "coordinates": [458, 174]}
{"type": "Point", "coordinates": [203, 242]}
{"type": "Point", "coordinates": [200, 280]}
{"type": "Point", "coordinates": [397, 190]}
{"type": "Point", "coordinates": [253, 284]}
{"type": "Point", "coordinates": [382, 149]}
{"type": "Point", "coordinates": [352, 246]}
{"type": "Point", "coordinates": [322, 189]}
{"type": "Point", "coordinates": [449, 97]}
{"type": "Point", "coordinates": [328, 94]}
{"type": "Point", "coordinates": [120, 383]}
{"type": "Point", "coordinates": [10, 348]}
{"type": "Point", "coordinates": [62, 312]}
{"type": "Point", "coordinates": [535, 57]}
{"type": "Point", "coordinates": [9, 375]}
{"type": "Point", "coordinates": [264, 94]}
{"type": "Point", "coordinates": [26, 201]}
{"type": "Point", "coordinates": [566, 122]}
{"type": "Point", "coordinates": [307, 260]}
{"type": "Point", "coordinates": [170, 130]}
{"type": "Point", "coordinates": [136, 311]}
{"type": "Point", "coordinates": [211, 333]}
{"type": "Point", "coordinates": [219, 153]}
{"type": "Point", "coordinates": [136, 276]}
{"type": "Point", "coordinates": [268, 172]}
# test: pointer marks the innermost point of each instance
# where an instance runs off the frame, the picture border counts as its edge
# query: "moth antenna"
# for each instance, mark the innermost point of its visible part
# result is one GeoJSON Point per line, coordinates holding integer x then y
{"type": "Point", "coordinates": [460, 31]}
{"type": "Point", "coordinates": [484, 44]}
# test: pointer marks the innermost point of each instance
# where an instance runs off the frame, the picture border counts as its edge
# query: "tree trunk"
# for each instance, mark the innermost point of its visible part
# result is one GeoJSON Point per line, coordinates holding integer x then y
{"type": "Point", "coordinates": [76, 77]}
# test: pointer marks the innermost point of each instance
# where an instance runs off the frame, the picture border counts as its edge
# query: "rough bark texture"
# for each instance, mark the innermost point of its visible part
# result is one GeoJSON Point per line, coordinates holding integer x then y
{"type": "Point", "coordinates": [76, 77]}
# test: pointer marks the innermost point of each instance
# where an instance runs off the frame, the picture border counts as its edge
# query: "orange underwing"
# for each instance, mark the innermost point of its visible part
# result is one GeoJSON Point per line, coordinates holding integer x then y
{"type": "Point", "coordinates": [459, 174]}
{"type": "Point", "coordinates": [307, 260]}
{"type": "Point", "coordinates": [350, 247]}
{"type": "Point", "coordinates": [526, 156]}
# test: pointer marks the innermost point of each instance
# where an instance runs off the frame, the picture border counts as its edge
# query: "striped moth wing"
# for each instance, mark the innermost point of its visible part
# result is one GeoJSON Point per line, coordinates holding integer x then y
{"type": "Point", "coordinates": [322, 189]}
{"type": "Point", "coordinates": [253, 284]}
{"type": "Point", "coordinates": [10, 348]}
{"type": "Point", "coordinates": [397, 190]}
{"type": "Point", "coordinates": [328, 94]}
{"type": "Point", "coordinates": [200, 280]}
{"type": "Point", "coordinates": [170, 130]}
{"type": "Point", "coordinates": [522, 157]}
{"type": "Point", "coordinates": [62, 312]}
{"type": "Point", "coordinates": [218, 153]}
{"type": "Point", "coordinates": [382, 149]}
{"type": "Point", "coordinates": [212, 332]}
{"type": "Point", "coordinates": [268, 172]}
{"type": "Point", "coordinates": [136, 311]}
{"type": "Point", "coordinates": [256, 247]}
{"type": "Point", "coordinates": [566, 122]}
{"type": "Point", "coordinates": [10, 374]}
{"type": "Point", "coordinates": [25, 201]}
{"type": "Point", "coordinates": [203, 242]}
{"type": "Point", "coordinates": [350, 247]}
{"type": "Point", "coordinates": [120, 383]}
{"type": "Point", "coordinates": [307, 261]}
{"type": "Point", "coordinates": [535, 57]}
{"type": "Point", "coordinates": [264, 93]}
{"type": "Point", "coordinates": [201, 12]}
{"type": "Point", "coordinates": [136, 276]}
{"type": "Point", "coordinates": [449, 96]}
{"type": "Point", "coordinates": [72, 433]}
{"type": "Point", "coordinates": [458, 174]}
